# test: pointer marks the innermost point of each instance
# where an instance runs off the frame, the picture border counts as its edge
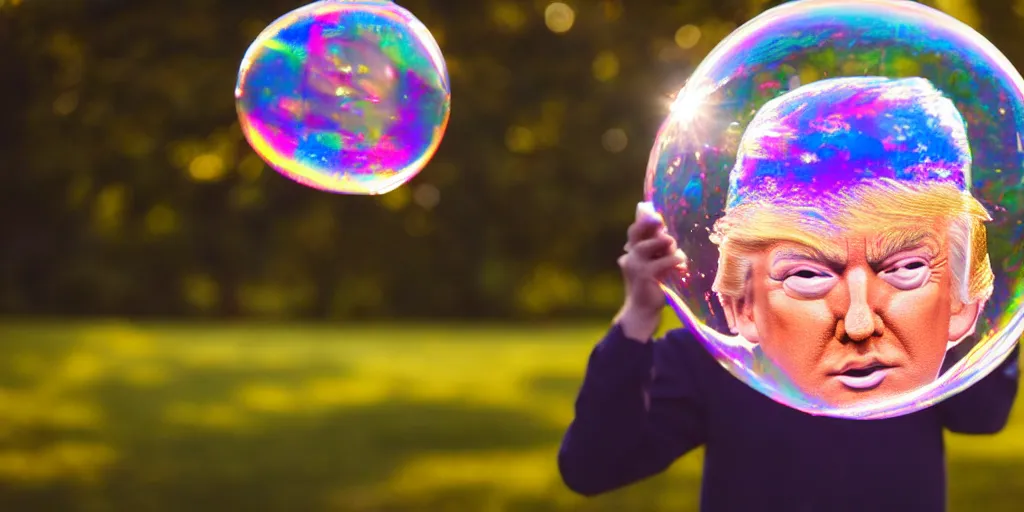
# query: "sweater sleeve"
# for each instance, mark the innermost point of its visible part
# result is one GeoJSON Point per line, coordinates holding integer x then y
{"type": "Point", "coordinates": [639, 409]}
{"type": "Point", "coordinates": [984, 408]}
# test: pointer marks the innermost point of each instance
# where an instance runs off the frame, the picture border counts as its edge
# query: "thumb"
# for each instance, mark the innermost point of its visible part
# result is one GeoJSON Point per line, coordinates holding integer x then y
{"type": "Point", "coordinates": [645, 212]}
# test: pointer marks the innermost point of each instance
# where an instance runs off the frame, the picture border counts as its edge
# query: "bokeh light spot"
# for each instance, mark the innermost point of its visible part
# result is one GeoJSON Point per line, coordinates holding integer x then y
{"type": "Point", "coordinates": [559, 17]}
{"type": "Point", "coordinates": [161, 220]}
{"type": "Point", "coordinates": [606, 66]}
{"type": "Point", "coordinates": [614, 140]}
{"type": "Point", "coordinates": [251, 167]}
{"type": "Point", "coordinates": [508, 16]}
{"type": "Point", "coordinates": [427, 196]}
{"type": "Point", "coordinates": [687, 36]}
{"type": "Point", "coordinates": [66, 103]}
{"type": "Point", "coordinates": [612, 9]}
{"type": "Point", "coordinates": [520, 139]}
{"type": "Point", "coordinates": [206, 167]}
{"type": "Point", "coordinates": [397, 199]}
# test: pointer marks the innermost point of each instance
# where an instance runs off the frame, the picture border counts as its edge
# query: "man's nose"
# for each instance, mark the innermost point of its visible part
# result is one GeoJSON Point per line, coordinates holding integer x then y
{"type": "Point", "coordinates": [860, 322]}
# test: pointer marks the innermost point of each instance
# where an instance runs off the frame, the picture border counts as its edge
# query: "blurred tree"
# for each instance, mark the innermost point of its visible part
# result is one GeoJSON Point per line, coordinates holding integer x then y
{"type": "Point", "coordinates": [129, 189]}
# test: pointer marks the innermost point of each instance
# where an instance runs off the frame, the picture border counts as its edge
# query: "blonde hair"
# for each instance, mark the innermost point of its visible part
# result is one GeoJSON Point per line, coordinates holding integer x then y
{"type": "Point", "coordinates": [909, 208]}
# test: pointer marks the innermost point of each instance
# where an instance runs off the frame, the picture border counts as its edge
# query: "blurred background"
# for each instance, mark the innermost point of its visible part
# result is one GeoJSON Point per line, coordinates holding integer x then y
{"type": "Point", "coordinates": [183, 329]}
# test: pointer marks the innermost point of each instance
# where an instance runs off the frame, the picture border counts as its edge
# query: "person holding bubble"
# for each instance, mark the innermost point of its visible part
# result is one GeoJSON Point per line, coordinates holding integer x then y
{"type": "Point", "coordinates": [853, 267]}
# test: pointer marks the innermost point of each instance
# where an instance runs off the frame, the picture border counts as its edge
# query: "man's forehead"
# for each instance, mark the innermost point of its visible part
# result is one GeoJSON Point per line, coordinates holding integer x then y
{"type": "Point", "coordinates": [878, 243]}
{"type": "Point", "coordinates": [827, 250]}
{"type": "Point", "coordinates": [912, 234]}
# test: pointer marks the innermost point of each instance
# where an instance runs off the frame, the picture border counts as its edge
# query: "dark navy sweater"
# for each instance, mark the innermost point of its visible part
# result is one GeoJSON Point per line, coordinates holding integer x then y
{"type": "Point", "coordinates": [643, 405]}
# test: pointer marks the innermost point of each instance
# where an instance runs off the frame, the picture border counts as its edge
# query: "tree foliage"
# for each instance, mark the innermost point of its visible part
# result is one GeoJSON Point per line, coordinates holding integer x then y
{"type": "Point", "coordinates": [127, 187]}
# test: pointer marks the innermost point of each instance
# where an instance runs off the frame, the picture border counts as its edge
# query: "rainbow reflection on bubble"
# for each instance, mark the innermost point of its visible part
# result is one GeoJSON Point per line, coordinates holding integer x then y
{"type": "Point", "coordinates": [348, 97]}
{"type": "Point", "coordinates": [818, 95]}
{"type": "Point", "coordinates": [838, 133]}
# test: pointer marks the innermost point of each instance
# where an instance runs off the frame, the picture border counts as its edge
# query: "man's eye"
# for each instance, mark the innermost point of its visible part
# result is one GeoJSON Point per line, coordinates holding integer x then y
{"type": "Point", "coordinates": [907, 274]}
{"type": "Point", "coordinates": [808, 283]}
{"type": "Point", "coordinates": [910, 265]}
{"type": "Point", "coordinates": [806, 274]}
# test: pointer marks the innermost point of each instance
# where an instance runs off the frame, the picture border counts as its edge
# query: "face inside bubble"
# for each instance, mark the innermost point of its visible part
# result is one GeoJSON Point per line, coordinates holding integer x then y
{"type": "Point", "coordinates": [850, 207]}
{"type": "Point", "coordinates": [851, 253]}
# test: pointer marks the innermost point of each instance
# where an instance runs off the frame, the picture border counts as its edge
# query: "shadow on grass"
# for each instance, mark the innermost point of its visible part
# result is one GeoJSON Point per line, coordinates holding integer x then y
{"type": "Point", "coordinates": [285, 463]}
{"type": "Point", "coordinates": [342, 459]}
{"type": "Point", "coordinates": [191, 384]}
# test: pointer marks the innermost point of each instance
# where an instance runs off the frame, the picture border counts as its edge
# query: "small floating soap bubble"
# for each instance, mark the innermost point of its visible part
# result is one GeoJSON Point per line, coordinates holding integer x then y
{"type": "Point", "coordinates": [348, 97]}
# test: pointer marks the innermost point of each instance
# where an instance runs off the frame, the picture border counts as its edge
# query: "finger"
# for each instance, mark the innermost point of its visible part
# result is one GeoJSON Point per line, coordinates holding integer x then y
{"type": "Point", "coordinates": [624, 261]}
{"type": "Point", "coordinates": [646, 210]}
{"type": "Point", "coordinates": [675, 261]}
{"type": "Point", "coordinates": [640, 230]}
{"type": "Point", "coordinates": [644, 228]}
{"type": "Point", "coordinates": [630, 266]}
{"type": "Point", "coordinates": [635, 268]}
{"type": "Point", "coordinates": [656, 247]}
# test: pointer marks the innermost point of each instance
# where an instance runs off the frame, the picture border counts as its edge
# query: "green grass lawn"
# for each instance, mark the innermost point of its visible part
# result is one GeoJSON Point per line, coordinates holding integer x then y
{"type": "Point", "coordinates": [117, 416]}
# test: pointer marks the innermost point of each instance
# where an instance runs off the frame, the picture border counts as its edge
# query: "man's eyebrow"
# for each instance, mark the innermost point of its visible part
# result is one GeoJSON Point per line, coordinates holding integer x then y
{"type": "Point", "coordinates": [823, 254]}
{"type": "Point", "coordinates": [895, 241]}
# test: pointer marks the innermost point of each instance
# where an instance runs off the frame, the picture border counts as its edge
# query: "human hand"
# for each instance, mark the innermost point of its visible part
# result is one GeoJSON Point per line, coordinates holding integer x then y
{"type": "Point", "coordinates": [650, 254]}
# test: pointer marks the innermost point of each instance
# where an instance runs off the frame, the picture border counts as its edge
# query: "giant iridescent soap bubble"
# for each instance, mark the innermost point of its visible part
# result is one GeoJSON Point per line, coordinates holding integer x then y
{"type": "Point", "coordinates": [846, 180]}
{"type": "Point", "coordinates": [346, 96]}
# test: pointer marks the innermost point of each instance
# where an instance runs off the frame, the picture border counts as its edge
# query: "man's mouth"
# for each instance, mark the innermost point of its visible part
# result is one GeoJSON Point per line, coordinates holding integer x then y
{"type": "Point", "coordinates": [863, 377]}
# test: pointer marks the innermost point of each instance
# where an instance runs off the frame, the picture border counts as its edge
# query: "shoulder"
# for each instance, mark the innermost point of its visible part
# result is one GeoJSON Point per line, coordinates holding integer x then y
{"type": "Point", "coordinates": [679, 343]}
{"type": "Point", "coordinates": [679, 349]}
{"type": "Point", "coordinates": [1011, 365]}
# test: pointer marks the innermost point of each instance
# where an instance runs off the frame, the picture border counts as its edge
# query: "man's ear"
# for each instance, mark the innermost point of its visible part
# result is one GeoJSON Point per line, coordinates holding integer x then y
{"type": "Point", "coordinates": [740, 315]}
{"type": "Point", "coordinates": [963, 319]}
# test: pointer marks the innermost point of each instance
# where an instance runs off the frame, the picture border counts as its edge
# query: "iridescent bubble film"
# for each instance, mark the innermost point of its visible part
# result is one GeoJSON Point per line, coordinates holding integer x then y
{"type": "Point", "coordinates": [846, 181]}
{"type": "Point", "coordinates": [838, 132]}
{"type": "Point", "coordinates": [345, 96]}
